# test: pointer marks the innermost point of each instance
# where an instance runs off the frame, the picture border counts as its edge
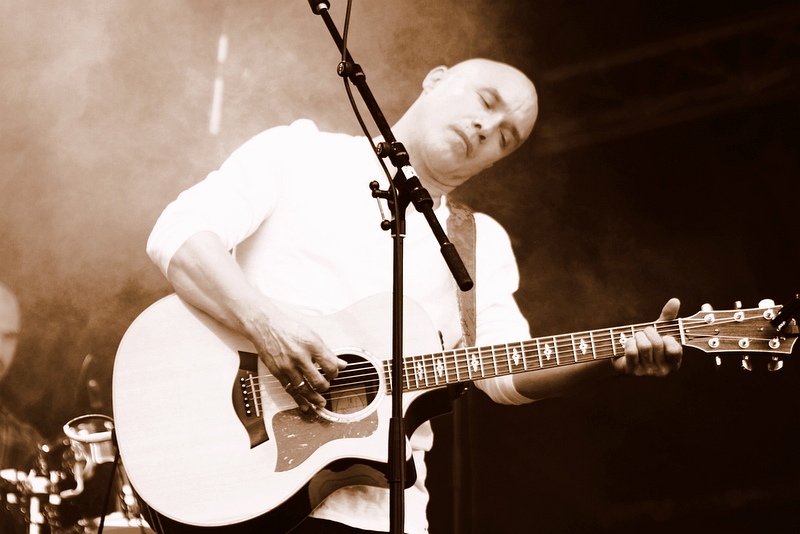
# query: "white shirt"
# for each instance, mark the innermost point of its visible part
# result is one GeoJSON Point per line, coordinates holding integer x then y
{"type": "Point", "coordinates": [295, 206]}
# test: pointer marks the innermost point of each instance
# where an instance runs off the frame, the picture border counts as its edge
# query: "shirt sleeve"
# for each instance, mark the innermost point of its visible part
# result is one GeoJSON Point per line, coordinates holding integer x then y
{"type": "Point", "coordinates": [233, 201]}
{"type": "Point", "coordinates": [499, 319]}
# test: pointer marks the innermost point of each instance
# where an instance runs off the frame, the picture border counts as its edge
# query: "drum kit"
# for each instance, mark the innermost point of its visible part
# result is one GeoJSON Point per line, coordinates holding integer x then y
{"type": "Point", "coordinates": [72, 486]}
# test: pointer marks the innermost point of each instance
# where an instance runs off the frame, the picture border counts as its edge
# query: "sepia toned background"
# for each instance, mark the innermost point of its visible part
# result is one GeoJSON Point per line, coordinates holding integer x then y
{"type": "Point", "coordinates": [664, 163]}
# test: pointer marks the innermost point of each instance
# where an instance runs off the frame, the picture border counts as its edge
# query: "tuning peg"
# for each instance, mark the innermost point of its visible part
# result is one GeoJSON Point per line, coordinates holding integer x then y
{"type": "Point", "coordinates": [718, 361]}
{"type": "Point", "coordinates": [737, 305]}
{"type": "Point", "coordinates": [746, 365]}
{"type": "Point", "coordinates": [776, 364]}
{"type": "Point", "coordinates": [766, 303]}
{"type": "Point", "coordinates": [706, 307]}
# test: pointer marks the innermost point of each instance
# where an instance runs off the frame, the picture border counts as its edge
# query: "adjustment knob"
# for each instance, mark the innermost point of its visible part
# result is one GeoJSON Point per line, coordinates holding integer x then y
{"type": "Point", "coordinates": [776, 364]}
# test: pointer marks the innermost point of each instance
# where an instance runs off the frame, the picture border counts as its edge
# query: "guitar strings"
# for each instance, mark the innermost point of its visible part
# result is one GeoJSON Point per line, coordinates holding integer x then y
{"type": "Point", "coordinates": [359, 377]}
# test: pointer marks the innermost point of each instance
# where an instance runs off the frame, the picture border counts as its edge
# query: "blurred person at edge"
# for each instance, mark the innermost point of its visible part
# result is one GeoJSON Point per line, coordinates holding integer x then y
{"type": "Point", "coordinates": [19, 441]}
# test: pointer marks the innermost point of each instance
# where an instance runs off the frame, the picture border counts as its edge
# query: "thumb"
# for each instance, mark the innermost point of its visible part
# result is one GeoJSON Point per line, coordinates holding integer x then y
{"type": "Point", "coordinates": [670, 310]}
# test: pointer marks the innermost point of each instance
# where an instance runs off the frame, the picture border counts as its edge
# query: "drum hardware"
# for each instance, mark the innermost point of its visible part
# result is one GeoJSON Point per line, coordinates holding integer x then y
{"type": "Point", "coordinates": [55, 501]}
{"type": "Point", "coordinates": [36, 493]}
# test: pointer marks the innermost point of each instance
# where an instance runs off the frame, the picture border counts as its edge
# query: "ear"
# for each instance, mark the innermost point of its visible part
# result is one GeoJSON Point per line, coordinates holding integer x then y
{"type": "Point", "coordinates": [433, 78]}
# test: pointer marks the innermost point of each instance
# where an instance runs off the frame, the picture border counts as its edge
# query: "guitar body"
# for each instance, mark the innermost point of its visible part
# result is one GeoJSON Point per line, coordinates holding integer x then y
{"type": "Point", "coordinates": [211, 441]}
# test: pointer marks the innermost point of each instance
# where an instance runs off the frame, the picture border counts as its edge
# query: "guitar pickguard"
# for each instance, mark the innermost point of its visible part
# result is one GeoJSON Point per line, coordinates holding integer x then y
{"type": "Point", "coordinates": [298, 435]}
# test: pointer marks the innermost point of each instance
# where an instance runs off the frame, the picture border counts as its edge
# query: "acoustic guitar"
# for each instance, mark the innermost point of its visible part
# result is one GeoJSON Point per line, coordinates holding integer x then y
{"type": "Point", "coordinates": [212, 442]}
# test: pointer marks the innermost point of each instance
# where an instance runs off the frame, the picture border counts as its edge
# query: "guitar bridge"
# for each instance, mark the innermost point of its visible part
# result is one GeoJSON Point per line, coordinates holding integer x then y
{"type": "Point", "coordinates": [245, 399]}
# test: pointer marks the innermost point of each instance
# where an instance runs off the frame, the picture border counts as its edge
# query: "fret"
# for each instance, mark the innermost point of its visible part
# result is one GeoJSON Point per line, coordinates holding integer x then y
{"type": "Point", "coordinates": [612, 337]}
{"type": "Point", "coordinates": [555, 349]}
{"type": "Point", "coordinates": [455, 364]}
{"type": "Point", "coordinates": [591, 342]}
{"type": "Point", "coordinates": [415, 372]}
{"type": "Point", "coordinates": [681, 331]}
{"type": "Point", "coordinates": [420, 372]}
{"type": "Point", "coordinates": [475, 363]}
{"type": "Point", "coordinates": [516, 357]}
{"type": "Point", "coordinates": [620, 336]}
{"type": "Point", "coordinates": [500, 364]}
{"type": "Point", "coordinates": [494, 361]}
{"type": "Point", "coordinates": [607, 342]}
{"type": "Point", "coordinates": [581, 346]}
{"type": "Point", "coordinates": [548, 352]}
{"type": "Point", "coordinates": [539, 354]}
{"type": "Point", "coordinates": [467, 363]}
{"type": "Point", "coordinates": [440, 369]}
{"type": "Point", "coordinates": [430, 369]}
{"type": "Point", "coordinates": [574, 348]}
{"type": "Point", "coordinates": [406, 374]}
{"type": "Point", "coordinates": [426, 365]}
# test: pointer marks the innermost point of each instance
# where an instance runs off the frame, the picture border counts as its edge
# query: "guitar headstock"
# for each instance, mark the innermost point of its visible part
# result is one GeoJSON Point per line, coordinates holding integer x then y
{"type": "Point", "coordinates": [769, 328]}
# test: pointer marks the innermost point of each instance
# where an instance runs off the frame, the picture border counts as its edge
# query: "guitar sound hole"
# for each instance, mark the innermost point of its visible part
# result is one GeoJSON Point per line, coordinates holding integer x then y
{"type": "Point", "coordinates": [355, 388]}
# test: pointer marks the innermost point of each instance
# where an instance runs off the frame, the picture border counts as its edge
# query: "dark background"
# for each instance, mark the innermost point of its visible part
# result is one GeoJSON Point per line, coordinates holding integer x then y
{"type": "Point", "coordinates": [664, 163]}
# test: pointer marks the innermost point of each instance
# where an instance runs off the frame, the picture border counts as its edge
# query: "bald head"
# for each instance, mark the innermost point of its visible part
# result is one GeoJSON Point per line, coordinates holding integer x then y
{"type": "Point", "coordinates": [468, 117]}
{"type": "Point", "coordinates": [9, 328]}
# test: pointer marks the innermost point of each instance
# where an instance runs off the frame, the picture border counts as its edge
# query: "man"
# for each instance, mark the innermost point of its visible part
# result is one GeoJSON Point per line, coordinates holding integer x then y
{"type": "Point", "coordinates": [293, 205]}
{"type": "Point", "coordinates": [18, 441]}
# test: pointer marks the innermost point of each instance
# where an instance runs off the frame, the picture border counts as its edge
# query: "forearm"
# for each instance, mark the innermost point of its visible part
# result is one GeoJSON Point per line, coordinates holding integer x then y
{"type": "Point", "coordinates": [563, 381]}
{"type": "Point", "coordinates": [205, 274]}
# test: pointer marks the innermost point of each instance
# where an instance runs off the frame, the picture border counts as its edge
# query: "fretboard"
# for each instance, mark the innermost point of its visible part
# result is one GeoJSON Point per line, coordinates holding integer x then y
{"type": "Point", "coordinates": [475, 363]}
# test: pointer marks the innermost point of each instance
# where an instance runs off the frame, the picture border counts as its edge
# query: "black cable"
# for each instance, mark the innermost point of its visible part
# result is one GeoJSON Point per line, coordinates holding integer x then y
{"type": "Point", "coordinates": [109, 489]}
{"type": "Point", "coordinates": [353, 104]}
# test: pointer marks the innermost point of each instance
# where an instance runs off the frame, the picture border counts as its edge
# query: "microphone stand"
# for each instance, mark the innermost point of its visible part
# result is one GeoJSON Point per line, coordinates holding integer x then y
{"type": "Point", "coordinates": [405, 189]}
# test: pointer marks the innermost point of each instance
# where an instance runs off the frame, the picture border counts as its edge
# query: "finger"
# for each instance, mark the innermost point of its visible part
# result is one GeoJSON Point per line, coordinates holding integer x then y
{"type": "Point", "coordinates": [670, 310]}
{"type": "Point", "coordinates": [657, 357]}
{"type": "Point", "coordinates": [631, 357]}
{"type": "Point", "coordinates": [292, 381]}
{"type": "Point", "coordinates": [303, 394]}
{"type": "Point", "coordinates": [305, 385]}
{"type": "Point", "coordinates": [328, 363]}
{"type": "Point", "coordinates": [673, 353]}
{"type": "Point", "coordinates": [308, 396]}
{"type": "Point", "coordinates": [644, 348]}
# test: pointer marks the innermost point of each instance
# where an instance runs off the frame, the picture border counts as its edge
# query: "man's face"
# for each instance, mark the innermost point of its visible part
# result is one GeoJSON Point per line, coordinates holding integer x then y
{"type": "Point", "coordinates": [471, 116]}
{"type": "Point", "coordinates": [9, 330]}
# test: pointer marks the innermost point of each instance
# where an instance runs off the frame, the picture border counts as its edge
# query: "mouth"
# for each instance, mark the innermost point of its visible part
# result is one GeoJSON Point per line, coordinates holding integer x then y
{"type": "Point", "coordinates": [465, 139]}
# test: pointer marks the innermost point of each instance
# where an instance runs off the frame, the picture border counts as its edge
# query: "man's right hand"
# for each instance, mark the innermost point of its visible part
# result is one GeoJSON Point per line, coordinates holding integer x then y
{"type": "Point", "coordinates": [295, 355]}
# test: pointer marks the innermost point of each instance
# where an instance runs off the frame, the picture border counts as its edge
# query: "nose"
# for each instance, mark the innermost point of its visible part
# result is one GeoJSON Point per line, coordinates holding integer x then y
{"type": "Point", "coordinates": [484, 126]}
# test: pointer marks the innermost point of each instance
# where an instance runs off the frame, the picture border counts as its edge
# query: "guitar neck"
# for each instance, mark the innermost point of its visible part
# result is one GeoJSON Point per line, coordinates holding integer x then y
{"type": "Point", "coordinates": [474, 363]}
